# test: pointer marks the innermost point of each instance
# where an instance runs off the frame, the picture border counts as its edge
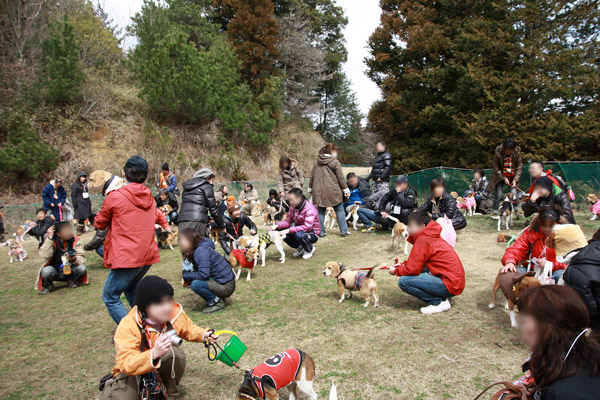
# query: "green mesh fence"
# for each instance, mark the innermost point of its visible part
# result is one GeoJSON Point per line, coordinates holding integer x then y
{"type": "Point", "coordinates": [584, 178]}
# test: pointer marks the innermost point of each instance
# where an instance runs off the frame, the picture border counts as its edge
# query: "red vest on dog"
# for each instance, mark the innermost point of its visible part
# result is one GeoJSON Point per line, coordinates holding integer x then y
{"type": "Point", "coordinates": [281, 369]}
{"type": "Point", "coordinates": [240, 255]}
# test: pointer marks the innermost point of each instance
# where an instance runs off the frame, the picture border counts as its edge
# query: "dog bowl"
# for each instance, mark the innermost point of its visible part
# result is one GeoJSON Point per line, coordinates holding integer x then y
{"type": "Point", "coordinates": [233, 350]}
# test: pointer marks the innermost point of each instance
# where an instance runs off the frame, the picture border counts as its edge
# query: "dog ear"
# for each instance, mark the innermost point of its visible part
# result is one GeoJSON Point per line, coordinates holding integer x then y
{"type": "Point", "coordinates": [340, 264]}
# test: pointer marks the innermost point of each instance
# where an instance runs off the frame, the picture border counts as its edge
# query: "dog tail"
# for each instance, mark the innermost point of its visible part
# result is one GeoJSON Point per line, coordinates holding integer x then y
{"type": "Point", "coordinates": [333, 392]}
{"type": "Point", "coordinates": [375, 268]}
{"type": "Point", "coordinates": [396, 220]}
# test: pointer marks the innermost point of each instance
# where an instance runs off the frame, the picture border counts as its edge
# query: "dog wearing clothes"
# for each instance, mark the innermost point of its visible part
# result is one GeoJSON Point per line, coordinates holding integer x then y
{"type": "Point", "coordinates": [16, 250]}
{"type": "Point", "coordinates": [267, 239]}
{"type": "Point", "coordinates": [292, 368]}
{"type": "Point", "coordinates": [349, 281]}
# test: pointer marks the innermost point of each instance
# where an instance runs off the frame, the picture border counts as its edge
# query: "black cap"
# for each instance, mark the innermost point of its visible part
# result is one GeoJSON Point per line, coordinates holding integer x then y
{"type": "Point", "coordinates": [137, 163]}
{"type": "Point", "coordinates": [402, 179]}
{"type": "Point", "coordinates": [545, 182]}
{"type": "Point", "coordinates": [165, 167]}
{"type": "Point", "coordinates": [152, 290]}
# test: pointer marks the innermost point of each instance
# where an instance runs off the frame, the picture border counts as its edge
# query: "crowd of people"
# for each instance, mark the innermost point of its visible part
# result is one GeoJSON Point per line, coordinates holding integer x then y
{"type": "Point", "coordinates": [553, 318]}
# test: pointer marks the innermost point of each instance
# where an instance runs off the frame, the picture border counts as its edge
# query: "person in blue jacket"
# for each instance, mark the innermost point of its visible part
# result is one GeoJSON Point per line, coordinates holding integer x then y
{"type": "Point", "coordinates": [359, 191]}
{"type": "Point", "coordinates": [205, 271]}
{"type": "Point", "coordinates": [54, 196]}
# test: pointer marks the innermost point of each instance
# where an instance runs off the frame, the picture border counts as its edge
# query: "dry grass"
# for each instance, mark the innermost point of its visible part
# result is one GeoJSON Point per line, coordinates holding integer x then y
{"type": "Point", "coordinates": [58, 346]}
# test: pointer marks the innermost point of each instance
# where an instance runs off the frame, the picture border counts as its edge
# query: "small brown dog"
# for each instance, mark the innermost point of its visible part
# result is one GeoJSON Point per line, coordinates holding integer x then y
{"type": "Point", "coordinates": [165, 238]}
{"type": "Point", "coordinates": [503, 237]}
{"type": "Point", "coordinates": [513, 285]}
{"type": "Point", "coordinates": [349, 281]}
{"type": "Point", "coordinates": [292, 368]}
{"type": "Point", "coordinates": [245, 259]}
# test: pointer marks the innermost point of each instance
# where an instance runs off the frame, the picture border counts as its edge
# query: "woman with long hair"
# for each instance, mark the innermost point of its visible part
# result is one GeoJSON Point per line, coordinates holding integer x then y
{"type": "Point", "coordinates": [289, 176]}
{"type": "Point", "coordinates": [565, 353]}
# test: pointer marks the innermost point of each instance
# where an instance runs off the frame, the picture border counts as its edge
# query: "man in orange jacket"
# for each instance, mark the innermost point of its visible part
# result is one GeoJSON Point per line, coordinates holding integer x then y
{"type": "Point", "coordinates": [433, 272]}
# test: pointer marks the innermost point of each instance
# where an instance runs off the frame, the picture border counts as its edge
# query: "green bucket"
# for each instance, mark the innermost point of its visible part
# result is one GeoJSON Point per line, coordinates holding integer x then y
{"type": "Point", "coordinates": [232, 351]}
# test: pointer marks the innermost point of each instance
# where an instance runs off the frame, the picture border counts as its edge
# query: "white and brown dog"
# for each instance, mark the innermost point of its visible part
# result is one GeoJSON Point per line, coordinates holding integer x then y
{"type": "Point", "coordinates": [354, 215]}
{"type": "Point", "coordinates": [245, 259]}
{"type": "Point", "coordinates": [513, 287]}
{"type": "Point", "coordinates": [269, 238]}
{"type": "Point", "coordinates": [349, 281]}
{"type": "Point", "coordinates": [16, 250]}
{"type": "Point", "coordinates": [244, 242]}
{"type": "Point", "coordinates": [506, 211]}
{"type": "Point", "coordinates": [399, 233]}
{"type": "Point", "coordinates": [330, 218]}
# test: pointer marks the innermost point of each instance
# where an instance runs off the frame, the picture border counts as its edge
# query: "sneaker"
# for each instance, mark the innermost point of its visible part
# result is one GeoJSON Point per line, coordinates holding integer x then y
{"type": "Point", "coordinates": [369, 230]}
{"type": "Point", "coordinates": [214, 308]}
{"type": "Point", "coordinates": [346, 234]}
{"type": "Point", "coordinates": [431, 309]}
{"type": "Point", "coordinates": [309, 254]}
{"type": "Point", "coordinates": [45, 291]}
{"type": "Point", "coordinates": [323, 235]}
{"type": "Point", "coordinates": [299, 251]}
{"type": "Point", "coordinates": [72, 284]}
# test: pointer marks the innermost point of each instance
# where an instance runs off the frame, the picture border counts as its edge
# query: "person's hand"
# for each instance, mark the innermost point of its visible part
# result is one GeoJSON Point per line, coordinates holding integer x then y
{"type": "Point", "coordinates": [378, 179]}
{"type": "Point", "coordinates": [281, 194]}
{"type": "Point", "coordinates": [71, 258]}
{"type": "Point", "coordinates": [509, 267]}
{"type": "Point", "coordinates": [50, 232]}
{"type": "Point", "coordinates": [541, 262]}
{"type": "Point", "coordinates": [514, 184]}
{"type": "Point", "coordinates": [252, 232]}
{"type": "Point", "coordinates": [161, 346]}
{"type": "Point", "coordinates": [534, 196]}
{"type": "Point", "coordinates": [272, 228]}
{"type": "Point", "coordinates": [357, 202]}
{"type": "Point", "coordinates": [392, 271]}
{"type": "Point", "coordinates": [384, 214]}
{"type": "Point", "coordinates": [51, 204]}
{"type": "Point", "coordinates": [526, 392]}
{"type": "Point", "coordinates": [184, 283]}
{"type": "Point", "coordinates": [210, 336]}
{"type": "Point", "coordinates": [506, 181]}
{"type": "Point", "coordinates": [223, 231]}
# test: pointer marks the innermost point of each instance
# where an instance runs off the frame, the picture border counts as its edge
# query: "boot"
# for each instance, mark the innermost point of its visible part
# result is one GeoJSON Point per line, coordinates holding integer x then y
{"type": "Point", "coordinates": [80, 228]}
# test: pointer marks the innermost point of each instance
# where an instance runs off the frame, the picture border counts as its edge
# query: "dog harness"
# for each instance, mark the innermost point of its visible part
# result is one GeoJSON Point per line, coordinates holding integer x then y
{"type": "Point", "coordinates": [278, 371]}
{"type": "Point", "coordinates": [264, 238]}
{"type": "Point", "coordinates": [240, 255]}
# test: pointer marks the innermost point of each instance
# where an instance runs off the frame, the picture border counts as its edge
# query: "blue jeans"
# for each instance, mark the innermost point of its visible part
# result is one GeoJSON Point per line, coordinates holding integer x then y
{"type": "Point", "coordinates": [499, 197]}
{"type": "Point", "coordinates": [201, 289]}
{"type": "Point", "coordinates": [341, 218]}
{"type": "Point", "coordinates": [556, 275]}
{"type": "Point", "coordinates": [368, 216]}
{"type": "Point", "coordinates": [100, 251]}
{"type": "Point", "coordinates": [425, 287]}
{"type": "Point", "coordinates": [119, 281]}
{"type": "Point", "coordinates": [301, 238]}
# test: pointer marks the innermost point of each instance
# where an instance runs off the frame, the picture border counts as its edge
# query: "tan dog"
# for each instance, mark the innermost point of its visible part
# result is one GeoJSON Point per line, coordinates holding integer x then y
{"type": "Point", "coordinates": [244, 242]}
{"type": "Point", "coordinates": [330, 218]}
{"type": "Point", "coordinates": [166, 210]}
{"type": "Point", "coordinates": [23, 229]}
{"type": "Point", "coordinates": [349, 281]}
{"type": "Point", "coordinates": [399, 233]}
{"type": "Point", "coordinates": [594, 206]}
{"type": "Point", "coordinates": [245, 259]}
{"type": "Point", "coordinates": [99, 178]}
{"type": "Point", "coordinates": [354, 215]}
{"type": "Point", "coordinates": [165, 238]}
{"type": "Point", "coordinates": [513, 287]}
{"type": "Point", "coordinates": [214, 234]}
{"type": "Point", "coordinates": [503, 237]}
{"type": "Point", "coordinates": [454, 195]}
{"type": "Point", "coordinates": [16, 250]}
{"type": "Point", "coordinates": [303, 380]}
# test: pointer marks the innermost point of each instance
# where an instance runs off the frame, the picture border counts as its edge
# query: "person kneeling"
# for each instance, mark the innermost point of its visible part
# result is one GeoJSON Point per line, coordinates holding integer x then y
{"type": "Point", "coordinates": [144, 343]}
{"type": "Point", "coordinates": [433, 271]}
{"type": "Point", "coordinates": [205, 271]}
{"type": "Point", "coordinates": [63, 256]}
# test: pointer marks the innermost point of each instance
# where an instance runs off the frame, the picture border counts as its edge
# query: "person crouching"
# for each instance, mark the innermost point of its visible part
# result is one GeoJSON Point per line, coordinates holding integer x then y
{"type": "Point", "coordinates": [145, 345]}
{"type": "Point", "coordinates": [433, 272]}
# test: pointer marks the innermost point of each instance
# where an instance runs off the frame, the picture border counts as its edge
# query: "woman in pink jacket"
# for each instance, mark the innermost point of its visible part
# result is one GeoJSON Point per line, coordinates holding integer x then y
{"type": "Point", "coordinates": [306, 225]}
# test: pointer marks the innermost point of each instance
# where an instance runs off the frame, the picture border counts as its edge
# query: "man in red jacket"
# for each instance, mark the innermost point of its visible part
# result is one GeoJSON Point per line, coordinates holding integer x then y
{"type": "Point", "coordinates": [129, 214]}
{"type": "Point", "coordinates": [433, 271]}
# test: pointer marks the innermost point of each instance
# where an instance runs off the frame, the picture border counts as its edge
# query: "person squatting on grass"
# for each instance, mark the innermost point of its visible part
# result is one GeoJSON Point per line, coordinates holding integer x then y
{"type": "Point", "coordinates": [302, 225]}
{"type": "Point", "coordinates": [564, 362]}
{"type": "Point", "coordinates": [129, 214]}
{"type": "Point", "coordinates": [507, 170]}
{"type": "Point", "coordinates": [531, 246]}
{"type": "Point", "coordinates": [441, 204]}
{"type": "Point", "coordinates": [63, 255]}
{"type": "Point", "coordinates": [479, 187]}
{"type": "Point", "coordinates": [248, 198]}
{"type": "Point", "coordinates": [205, 271]}
{"type": "Point", "coordinates": [359, 191]}
{"type": "Point", "coordinates": [234, 225]}
{"type": "Point", "coordinates": [328, 187]}
{"type": "Point", "coordinates": [433, 272]}
{"type": "Point", "coordinates": [165, 198]}
{"type": "Point", "coordinates": [547, 193]}
{"type": "Point", "coordinates": [402, 201]}
{"type": "Point", "coordinates": [144, 345]}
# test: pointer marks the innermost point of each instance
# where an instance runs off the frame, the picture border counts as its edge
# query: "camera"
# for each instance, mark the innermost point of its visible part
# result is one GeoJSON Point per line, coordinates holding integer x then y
{"type": "Point", "coordinates": [71, 253]}
{"type": "Point", "coordinates": [174, 337]}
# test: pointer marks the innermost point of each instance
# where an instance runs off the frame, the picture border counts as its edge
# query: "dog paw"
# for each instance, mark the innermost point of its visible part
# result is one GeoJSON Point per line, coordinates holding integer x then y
{"type": "Point", "coordinates": [491, 305]}
{"type": "Point", "coordinates": [340, 300]}
{"type": "Point", "coordinates": [366, 304]}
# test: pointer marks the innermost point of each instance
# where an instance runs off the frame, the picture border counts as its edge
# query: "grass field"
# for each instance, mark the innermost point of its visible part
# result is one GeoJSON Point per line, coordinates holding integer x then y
{"type": "Point", "coordinates": [58, 346]}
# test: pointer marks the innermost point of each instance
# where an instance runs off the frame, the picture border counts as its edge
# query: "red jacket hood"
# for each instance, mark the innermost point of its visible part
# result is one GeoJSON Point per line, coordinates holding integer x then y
{"type": "Point", "coordinates": [138, 194]}
{"type": "Point", "coordinates": [433, 229]}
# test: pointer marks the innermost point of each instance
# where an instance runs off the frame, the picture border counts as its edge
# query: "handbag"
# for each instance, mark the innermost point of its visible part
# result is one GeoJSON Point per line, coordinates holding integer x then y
{"type": "Point", "coordinates": [448, 231]}
{"type": "Point", "coordinates": [508, 392]}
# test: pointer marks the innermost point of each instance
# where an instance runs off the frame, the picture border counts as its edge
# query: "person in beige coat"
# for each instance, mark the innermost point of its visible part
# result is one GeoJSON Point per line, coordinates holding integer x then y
{"type": "Point", "coordinates": [289, 176]}
{"type": "Point", "coordinates": [248, 198]}
{"type": "Point", "coordinates": [328, 187]}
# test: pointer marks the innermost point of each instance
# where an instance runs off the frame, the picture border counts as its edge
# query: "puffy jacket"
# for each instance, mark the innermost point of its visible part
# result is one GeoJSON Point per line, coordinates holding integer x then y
{"type": "Point", "coordinates": [557, 197]}
{"type": "Point", "coordinates": [236, 228]}
{"type": "Point", "coordinates": [129, 214]}
{"type": "Point", "coordinates": [290, 178]}
{"type": "Point", "coordinates": [531, 244]}
{"type": "Point", "coordinates": [447, 207]}
{"type": "Point", "coordinates": [128, 339]}
{"type": "Point", "coordinates": [406, 200]}
{"type": "Point", "coordinates": [582, 386]}
{"type": "Point", "coordinates": [431, 251]}
{"type": "Point", "coordinates": [197, 200]}
{"type": "Point", "coordinates": [171, 200]}
{"type": "Point", "coordinates": [81, 204]}
{"type": "Point", "coordinates": [327, 183]}
{"type": "Point", "coordinates": [305, 218]}
{"type": "Point", "coordinates": [583, 275]}
{"type": "Point", "coordinates": [40, 229]}
{"type": "Point", "coordinates": [382, 167]}
{"type": "Point", "coordinates": [48, 198]}
{"type": "Point", "coordinates": [497, 176]}
{"type": "Point", "coordinates": [209, 264]}
{"type": "Point", "coordinates": [359, 193]}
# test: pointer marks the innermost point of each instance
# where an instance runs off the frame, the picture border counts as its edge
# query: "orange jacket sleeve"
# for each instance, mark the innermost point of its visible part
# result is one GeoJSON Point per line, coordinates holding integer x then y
{"type": "Point", "coordinates": [187, 330]}
{"type": "Point", "coordinates": [130, 359]}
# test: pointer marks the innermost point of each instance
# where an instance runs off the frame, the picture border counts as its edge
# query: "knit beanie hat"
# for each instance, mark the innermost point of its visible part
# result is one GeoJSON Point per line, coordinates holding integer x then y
{"type": "Point", "coordinates": [137, 163]}
{"type": "Point", "coordinates": [152, 290]}
{"type": "Point", "coordinates": [545, 183]}
{"type": "Point", "coordinates": [232, 207]}
{"type": "Point", "coordinates": [205, 173]}
{"type": "Point", "coordinates": [566, 238]}
{"type": "Point", "coordinates": [165, 167]}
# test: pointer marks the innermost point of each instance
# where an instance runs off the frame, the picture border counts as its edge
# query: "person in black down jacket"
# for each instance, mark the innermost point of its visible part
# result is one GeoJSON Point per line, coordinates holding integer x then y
{"type": "Point", "coordinates": [382, 168]}
{"type": "Point", "coordinates": [565, 353]}
{"type": "Point", "coordinates": [234, 225]}
{"type": "Point", "coordinates": [441, 203]}
{"type": "Point", "coordinates": [546, 193]}
{"type": "Point", "coordinates": [197, 200]}
{"type": "Point", "coordinates": [42, 224]}
{"type": "Point", "coordinates": [80, 197]}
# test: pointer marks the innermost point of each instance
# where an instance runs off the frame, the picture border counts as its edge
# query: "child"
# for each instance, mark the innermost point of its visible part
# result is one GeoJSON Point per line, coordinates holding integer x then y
{"type": "Point", "coordinates": [143, 344]}
{"type": "Point", "coordinates": [210, 276]}
{"type": "Point", "coordinates": [433, 272]}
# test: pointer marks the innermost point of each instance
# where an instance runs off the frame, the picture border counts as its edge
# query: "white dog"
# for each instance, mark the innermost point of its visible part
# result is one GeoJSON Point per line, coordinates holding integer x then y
{"type": "Point", "coordinates": [268, 238]}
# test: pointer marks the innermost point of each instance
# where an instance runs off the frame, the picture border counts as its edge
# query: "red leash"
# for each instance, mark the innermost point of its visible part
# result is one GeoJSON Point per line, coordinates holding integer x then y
{"type": "Point", "coordinates": [396, 264]}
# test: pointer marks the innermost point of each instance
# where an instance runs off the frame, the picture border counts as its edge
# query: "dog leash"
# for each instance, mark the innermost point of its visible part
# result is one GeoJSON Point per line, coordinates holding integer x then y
{"type": "Point", "coordinates": [396, 265]}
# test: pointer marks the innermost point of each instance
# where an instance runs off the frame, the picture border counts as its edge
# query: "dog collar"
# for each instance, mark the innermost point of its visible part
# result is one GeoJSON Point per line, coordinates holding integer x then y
{"type": "Point", "coordinates": [342, 269]}
{"type": "Point", "coordinates": [247, 396]}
